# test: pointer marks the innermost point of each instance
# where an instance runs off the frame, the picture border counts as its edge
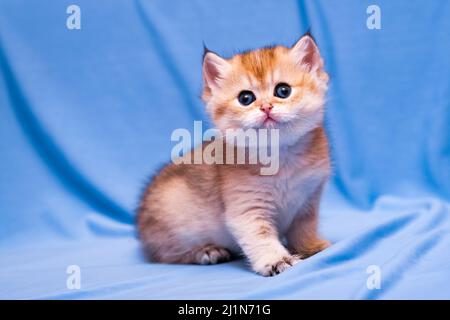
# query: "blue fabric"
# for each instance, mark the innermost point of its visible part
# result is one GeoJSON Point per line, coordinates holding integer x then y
{"type": "Point", "coordinates": [86, 115]}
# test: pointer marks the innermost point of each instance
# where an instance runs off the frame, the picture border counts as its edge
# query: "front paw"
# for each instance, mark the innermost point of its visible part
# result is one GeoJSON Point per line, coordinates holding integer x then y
{"type": "Point", "coordinates": [273, 268]}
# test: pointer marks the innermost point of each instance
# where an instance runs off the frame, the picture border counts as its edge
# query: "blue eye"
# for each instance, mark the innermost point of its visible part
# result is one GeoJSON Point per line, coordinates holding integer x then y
{"type": "Point", "coordinates": [246, 97]}
{"type": "Point", "coordinates": [282, 90]}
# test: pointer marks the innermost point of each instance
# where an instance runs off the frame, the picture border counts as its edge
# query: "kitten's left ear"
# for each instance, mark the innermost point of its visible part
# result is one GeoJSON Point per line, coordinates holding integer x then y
{"type": "Point", "coordinates": [305, 52]}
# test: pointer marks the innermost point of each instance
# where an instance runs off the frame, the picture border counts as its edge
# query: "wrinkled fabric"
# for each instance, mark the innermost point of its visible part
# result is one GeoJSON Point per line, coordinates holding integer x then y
{"type": "Point", "coordinates": [86, 117]}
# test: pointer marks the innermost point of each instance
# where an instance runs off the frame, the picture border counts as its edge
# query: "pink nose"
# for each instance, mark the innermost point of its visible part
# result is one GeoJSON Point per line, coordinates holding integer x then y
{"type": "Point", "coordinates": [266, 107]}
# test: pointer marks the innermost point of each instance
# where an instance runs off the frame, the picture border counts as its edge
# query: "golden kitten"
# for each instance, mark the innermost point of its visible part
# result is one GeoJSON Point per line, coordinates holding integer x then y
{"type": "Point", "coordinates": [203, 213]}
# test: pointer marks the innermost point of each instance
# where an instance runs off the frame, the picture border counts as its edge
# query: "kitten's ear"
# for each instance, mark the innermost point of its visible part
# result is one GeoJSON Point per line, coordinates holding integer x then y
{"type": "Point", "coordinates": [215, 68]}
{"type": "Point", "coordinates": [305, 52]}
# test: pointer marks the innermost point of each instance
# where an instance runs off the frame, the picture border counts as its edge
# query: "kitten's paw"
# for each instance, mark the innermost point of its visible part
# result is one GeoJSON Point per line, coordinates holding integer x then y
{"type": "Point", "coordinates": [274, 268]}
{"type": "Point", "coordinates": [212, 254]}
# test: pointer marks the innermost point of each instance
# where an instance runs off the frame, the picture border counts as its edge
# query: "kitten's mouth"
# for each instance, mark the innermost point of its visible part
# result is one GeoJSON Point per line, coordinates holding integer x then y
{"type": "Point", "coordinates": [269, 121]}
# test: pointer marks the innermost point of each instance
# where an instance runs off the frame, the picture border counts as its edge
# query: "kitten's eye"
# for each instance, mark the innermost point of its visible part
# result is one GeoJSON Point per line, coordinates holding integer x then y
{"type": "Point", "coordinates": [282, 90]}
{"type": "Point", "coordinates": [246, 97]}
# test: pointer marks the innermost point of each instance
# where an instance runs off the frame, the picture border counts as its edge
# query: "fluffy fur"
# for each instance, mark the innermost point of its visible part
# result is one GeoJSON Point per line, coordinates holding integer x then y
{"type": "Point", "coordinates": [206, 214]}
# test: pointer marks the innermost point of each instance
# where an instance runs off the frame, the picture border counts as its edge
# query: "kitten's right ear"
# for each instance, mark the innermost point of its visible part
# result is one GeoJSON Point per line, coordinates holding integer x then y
{"type": "Point", "coordinates": [215, 68]}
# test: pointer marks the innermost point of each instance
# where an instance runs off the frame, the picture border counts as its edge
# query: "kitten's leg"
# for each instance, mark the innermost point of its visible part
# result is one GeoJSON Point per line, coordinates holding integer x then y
{"type": "Point", "coordinates": [302, 235]}
{"type": "Point", "coordinates": [207, 254]}
{"type": "Point", "coordinates": [258, 238]}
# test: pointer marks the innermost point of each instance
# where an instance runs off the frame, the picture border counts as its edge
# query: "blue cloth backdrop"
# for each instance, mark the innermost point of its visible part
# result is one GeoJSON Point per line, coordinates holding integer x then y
{"type": "Point", "coordinates": [86, 116]}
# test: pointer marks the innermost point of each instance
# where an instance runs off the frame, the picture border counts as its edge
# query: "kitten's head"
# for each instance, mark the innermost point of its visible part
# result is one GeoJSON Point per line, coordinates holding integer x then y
{"type": "Point", "coordinates": [275, 87]}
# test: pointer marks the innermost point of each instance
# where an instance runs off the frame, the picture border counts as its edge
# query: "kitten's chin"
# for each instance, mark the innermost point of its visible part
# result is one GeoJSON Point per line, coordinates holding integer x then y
{"type": "Point", "coordinates": [269, 123]}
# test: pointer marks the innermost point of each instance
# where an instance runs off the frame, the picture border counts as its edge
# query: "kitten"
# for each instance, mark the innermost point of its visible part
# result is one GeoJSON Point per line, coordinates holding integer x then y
{"type": "Point", "coordinates": [205, 214]}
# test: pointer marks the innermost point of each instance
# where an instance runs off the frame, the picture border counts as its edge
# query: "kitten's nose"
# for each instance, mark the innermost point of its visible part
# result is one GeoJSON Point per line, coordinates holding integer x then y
{"type": "Point", "coordinates": [266, 107]}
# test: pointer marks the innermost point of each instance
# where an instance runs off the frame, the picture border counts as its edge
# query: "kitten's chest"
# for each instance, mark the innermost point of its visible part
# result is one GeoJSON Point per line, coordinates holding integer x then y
{"type": "Point", "coordinates": [292, 187]}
